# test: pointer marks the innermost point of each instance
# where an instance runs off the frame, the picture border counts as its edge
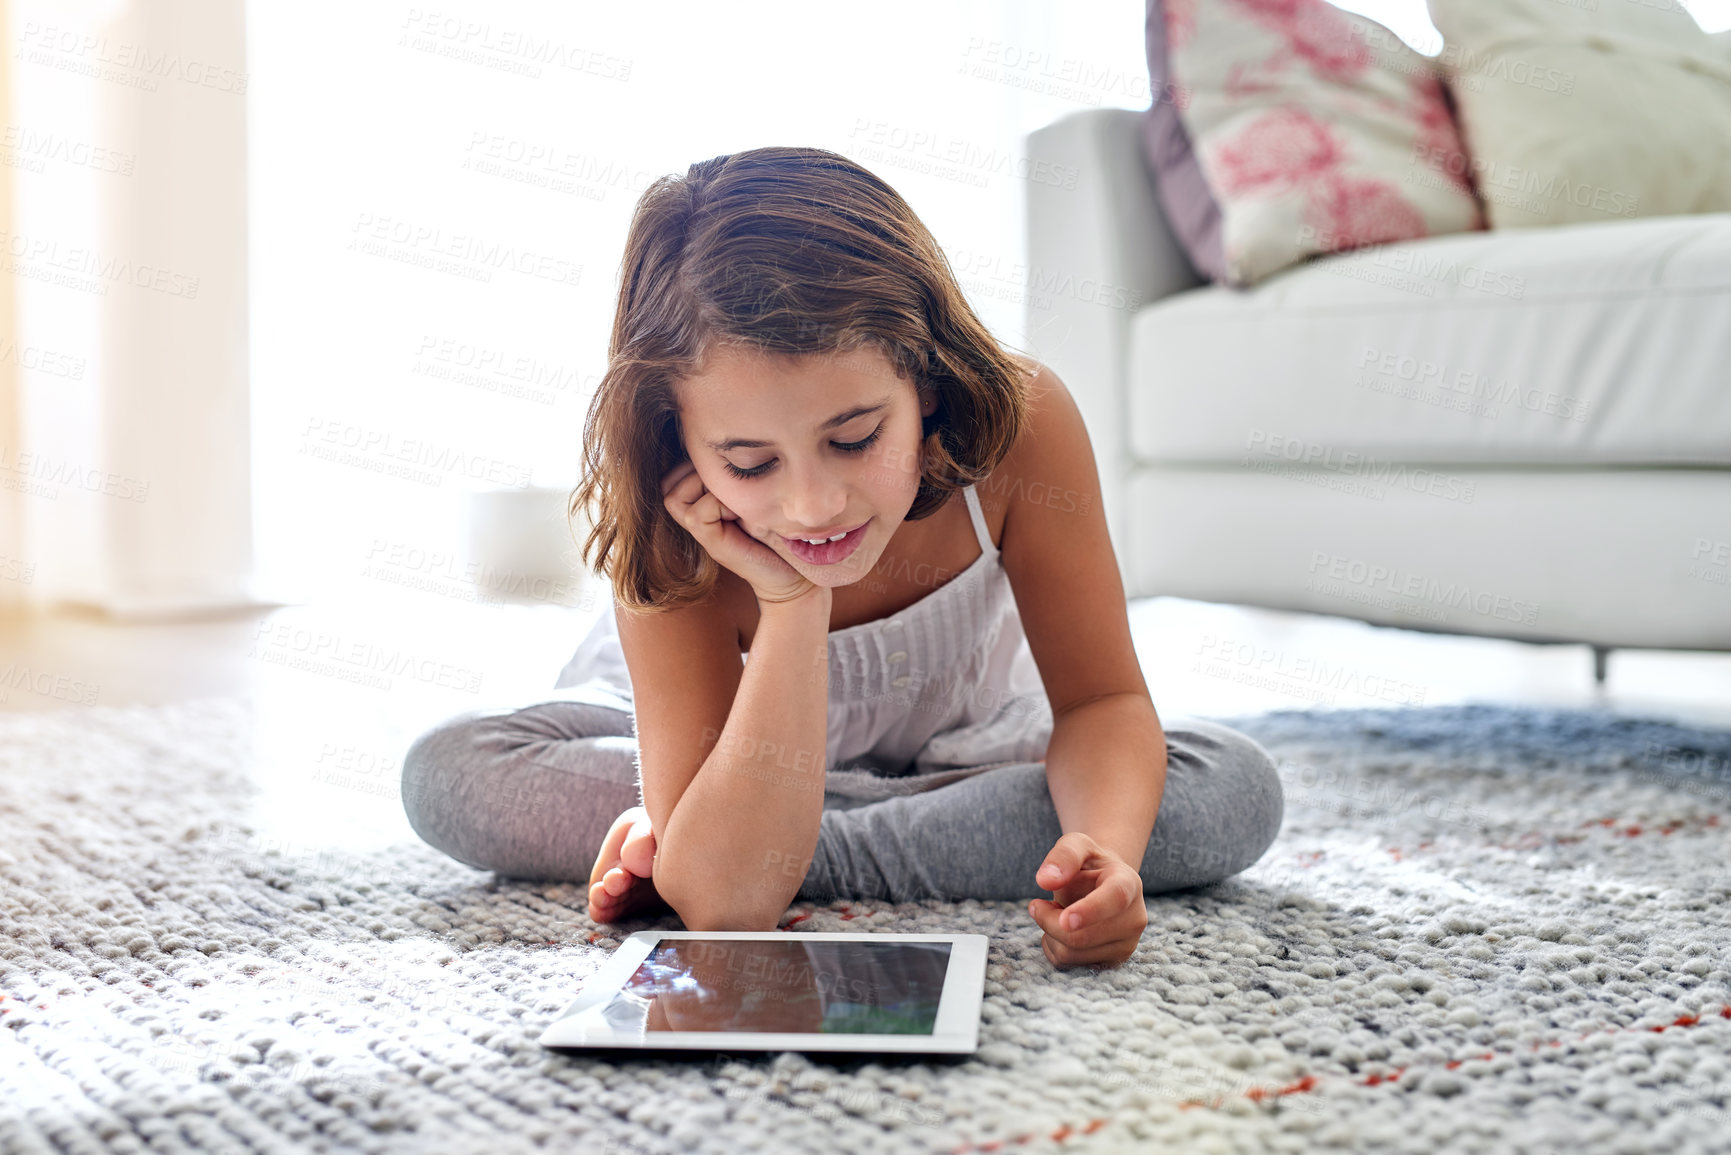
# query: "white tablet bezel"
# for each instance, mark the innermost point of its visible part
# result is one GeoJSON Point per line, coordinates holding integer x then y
{"type": "Point", "coordinates": [955, 1031]}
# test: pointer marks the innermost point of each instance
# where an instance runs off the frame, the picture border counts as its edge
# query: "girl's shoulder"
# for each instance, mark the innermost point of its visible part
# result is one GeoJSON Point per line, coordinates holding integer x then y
{"type": "Point", "coordinates": [1052, 430]}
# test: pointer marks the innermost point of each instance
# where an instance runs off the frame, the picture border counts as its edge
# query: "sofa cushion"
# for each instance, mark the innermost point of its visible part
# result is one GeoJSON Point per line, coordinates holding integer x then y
{"type": "Point", "coordinates": [1180, 185]}
{"type": "Point", "coordinates": [1602, 343]}
{"type": "Point", "coordinates": [1580, 112]}
{"type": "Point", "coordinates": [1284, 128]}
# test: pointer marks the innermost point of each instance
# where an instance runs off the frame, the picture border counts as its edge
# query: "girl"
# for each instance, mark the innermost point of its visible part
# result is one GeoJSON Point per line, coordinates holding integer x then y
{"type": "Point", "coordinates": [869, 637]}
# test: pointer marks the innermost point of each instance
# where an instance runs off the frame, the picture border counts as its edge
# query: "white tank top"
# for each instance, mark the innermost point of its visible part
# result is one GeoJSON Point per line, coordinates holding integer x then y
{"type": "Point", "coordinates": [937, 691]}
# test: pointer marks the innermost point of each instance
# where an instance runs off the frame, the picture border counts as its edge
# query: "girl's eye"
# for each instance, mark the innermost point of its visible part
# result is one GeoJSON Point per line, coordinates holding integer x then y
{"type": "Point", "coordinates": [850, 447]}
{"type": "Point", "coordinates": [860, 446]}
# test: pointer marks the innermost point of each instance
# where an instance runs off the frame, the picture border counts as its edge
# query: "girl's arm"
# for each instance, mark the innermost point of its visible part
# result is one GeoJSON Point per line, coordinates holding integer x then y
{"type": "Point", "coordinates": [1106, 759]}
{"type": "Point", "coordinates": [755, 804]}
{"type": "Point", "coordinates": [1106, 771]}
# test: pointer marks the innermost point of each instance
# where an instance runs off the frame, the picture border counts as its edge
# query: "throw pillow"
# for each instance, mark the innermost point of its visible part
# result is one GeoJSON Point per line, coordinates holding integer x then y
{"type": "Point", "coordinates": [1588, 111]}
{"type": "Point", "coordinates": [1281, 129]}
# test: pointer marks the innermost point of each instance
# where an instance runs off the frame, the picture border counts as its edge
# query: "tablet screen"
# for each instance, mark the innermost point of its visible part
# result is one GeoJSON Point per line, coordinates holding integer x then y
{"type": "Point", "coordinates": [698, 984]}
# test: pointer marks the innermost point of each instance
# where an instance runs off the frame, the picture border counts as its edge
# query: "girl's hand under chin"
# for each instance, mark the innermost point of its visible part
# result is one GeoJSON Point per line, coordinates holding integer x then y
{"type": "Point", "coordinates": [717, 529]}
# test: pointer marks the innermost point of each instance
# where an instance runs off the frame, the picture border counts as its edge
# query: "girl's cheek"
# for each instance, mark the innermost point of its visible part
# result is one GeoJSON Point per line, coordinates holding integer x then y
{"type": "Point", "coordinates": [887, 469]}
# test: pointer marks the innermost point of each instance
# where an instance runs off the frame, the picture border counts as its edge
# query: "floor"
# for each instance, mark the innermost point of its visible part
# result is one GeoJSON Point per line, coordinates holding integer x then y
{"type": "Point", "coordinates": [1491, 930]}
{"type": "Point", "coordinates": [339, 690]}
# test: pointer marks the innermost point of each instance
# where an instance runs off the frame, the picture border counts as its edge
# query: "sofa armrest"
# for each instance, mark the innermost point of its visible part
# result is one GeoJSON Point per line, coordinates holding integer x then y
{"type": "Point", "coordinates": [1099, 250]}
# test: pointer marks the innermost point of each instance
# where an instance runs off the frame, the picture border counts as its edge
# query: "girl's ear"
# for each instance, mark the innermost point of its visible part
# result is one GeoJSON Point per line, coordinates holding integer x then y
{"type": "Point", "coordinates": [928, 413]}
{"type": "Point", "coordinates": [928, 399]}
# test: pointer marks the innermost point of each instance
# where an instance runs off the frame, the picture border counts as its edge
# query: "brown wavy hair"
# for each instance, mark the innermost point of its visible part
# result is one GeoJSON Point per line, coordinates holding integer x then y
{"type": "Point", "coordinates": [779, 250]}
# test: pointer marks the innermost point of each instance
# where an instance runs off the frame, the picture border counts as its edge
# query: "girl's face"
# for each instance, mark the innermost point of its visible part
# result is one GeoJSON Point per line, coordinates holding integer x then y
{"type": "Point", "coordinates": [825, 443]}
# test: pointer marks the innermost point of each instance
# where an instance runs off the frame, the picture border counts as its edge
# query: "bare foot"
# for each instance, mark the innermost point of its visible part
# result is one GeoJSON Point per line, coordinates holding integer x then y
{"type": "Point", "coordinates": [621, 884]}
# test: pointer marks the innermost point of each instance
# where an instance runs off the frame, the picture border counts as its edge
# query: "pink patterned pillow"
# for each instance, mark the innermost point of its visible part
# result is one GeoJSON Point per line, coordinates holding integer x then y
{"type": "Point", "coordinates": [1311, 130]}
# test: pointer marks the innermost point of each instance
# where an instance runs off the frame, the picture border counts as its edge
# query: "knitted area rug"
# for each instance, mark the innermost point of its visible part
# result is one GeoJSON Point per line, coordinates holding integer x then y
{"type": "Point", "coordinates": [1481, 929]}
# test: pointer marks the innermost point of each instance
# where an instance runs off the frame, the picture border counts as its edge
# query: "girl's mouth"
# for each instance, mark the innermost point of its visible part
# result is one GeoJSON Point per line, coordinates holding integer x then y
{"type": "Point", "coordinates": [829, 552]}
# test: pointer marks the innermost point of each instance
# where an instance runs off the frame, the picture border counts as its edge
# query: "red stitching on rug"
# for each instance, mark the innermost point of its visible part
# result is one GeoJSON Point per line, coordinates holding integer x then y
{"type": "Point", "coordinates": [1534, 839]}
{"type": "Point", "coordinates": [1453, 1063]}
{"type": "Point", "coordinates": [846, 912]}
{"type": "Point", "coordinates": [1635, 829]}
{"type": "Point", "coordinates": [1312, 1082]}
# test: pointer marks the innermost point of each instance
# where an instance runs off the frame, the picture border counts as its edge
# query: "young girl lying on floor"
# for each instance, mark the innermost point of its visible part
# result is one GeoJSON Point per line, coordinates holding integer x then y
{"type": "Point", "coordinates": [869, 639]}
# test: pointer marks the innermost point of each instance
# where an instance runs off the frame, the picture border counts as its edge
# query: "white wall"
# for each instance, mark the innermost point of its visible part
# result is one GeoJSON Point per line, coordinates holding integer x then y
{"type": "Point", "coordinates": [364, 117]}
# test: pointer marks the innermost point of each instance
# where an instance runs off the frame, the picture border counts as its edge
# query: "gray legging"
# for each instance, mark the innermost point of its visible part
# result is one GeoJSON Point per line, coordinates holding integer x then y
{"type": "Point", "coordinates": [530, 793]}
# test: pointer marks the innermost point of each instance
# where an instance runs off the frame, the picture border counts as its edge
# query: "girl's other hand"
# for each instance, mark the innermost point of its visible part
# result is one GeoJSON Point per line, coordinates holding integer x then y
{"type": "Point", "coordinates": [1097, 890]}
{"type": "Point", "coordinates": [718, 531]}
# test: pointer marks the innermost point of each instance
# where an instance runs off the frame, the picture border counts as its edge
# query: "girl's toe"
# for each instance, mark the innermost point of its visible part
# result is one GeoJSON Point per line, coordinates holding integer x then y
{"type": "Point", "coordinates": [638, 853]}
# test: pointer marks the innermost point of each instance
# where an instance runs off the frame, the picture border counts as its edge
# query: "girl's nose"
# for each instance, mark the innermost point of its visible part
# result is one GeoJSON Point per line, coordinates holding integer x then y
{"type": "Point", "coordinates": [813, 501]}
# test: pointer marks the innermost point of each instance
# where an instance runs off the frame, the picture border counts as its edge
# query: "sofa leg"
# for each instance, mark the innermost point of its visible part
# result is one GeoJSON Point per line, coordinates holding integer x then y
{"type": "Point", "coordinates": [1601, 655]}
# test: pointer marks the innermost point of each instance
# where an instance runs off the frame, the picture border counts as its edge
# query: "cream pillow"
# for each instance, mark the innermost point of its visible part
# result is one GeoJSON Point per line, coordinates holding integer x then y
{"type": "Point", "coordinates": [1588, 110]}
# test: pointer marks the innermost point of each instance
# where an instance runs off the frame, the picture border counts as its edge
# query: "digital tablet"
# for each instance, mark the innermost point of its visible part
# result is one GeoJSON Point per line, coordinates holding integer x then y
{"type": "Point", "coordinates": [782, 991]}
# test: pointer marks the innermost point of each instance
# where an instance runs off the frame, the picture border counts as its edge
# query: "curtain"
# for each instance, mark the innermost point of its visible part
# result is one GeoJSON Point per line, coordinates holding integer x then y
{"type": "Point", "coordinates": [124, 391]}
{"type": "Point", "coordinates": [16, 571]}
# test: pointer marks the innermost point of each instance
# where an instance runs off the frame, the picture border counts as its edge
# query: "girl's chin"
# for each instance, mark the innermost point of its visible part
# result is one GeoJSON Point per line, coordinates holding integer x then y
{"type": "Point", "coordinates": [850, 571]}
{"type": "Point", "coordinates": [837, 581]}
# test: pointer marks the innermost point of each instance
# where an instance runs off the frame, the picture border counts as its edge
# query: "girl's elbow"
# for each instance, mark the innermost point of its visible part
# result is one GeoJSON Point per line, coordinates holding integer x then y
{"type": "Point", "coordinates": [693, 897]}
{"type": "Point", "coordinates": [729, 920]}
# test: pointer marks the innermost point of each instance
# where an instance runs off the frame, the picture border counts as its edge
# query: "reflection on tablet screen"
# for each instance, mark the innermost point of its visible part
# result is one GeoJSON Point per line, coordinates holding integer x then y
{"type": "Point", "coordinates": [697, 984]}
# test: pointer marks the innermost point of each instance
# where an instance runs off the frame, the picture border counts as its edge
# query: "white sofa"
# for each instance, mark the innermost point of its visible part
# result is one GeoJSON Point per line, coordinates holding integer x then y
{"type": "Point", "coordinates": [1522, 434]}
